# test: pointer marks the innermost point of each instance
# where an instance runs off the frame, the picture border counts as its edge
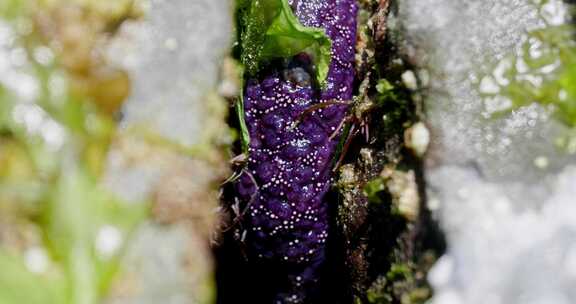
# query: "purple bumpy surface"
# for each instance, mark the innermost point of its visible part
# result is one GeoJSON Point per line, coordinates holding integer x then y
{"type": "Point", "coordinates": [289, 166]}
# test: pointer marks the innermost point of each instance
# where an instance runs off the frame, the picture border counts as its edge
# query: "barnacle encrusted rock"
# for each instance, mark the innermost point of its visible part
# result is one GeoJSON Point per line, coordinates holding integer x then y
{"type": "Point", "coordinates": [291, 151]}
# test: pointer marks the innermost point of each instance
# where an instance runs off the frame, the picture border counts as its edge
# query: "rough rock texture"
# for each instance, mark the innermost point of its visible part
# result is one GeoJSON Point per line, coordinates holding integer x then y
{"type": "Point", "coordinates": [291, 152]}
{"type": "Point", "coordinates": [389, 238]}
{"type": "Point", "coordinates": [503, 192]}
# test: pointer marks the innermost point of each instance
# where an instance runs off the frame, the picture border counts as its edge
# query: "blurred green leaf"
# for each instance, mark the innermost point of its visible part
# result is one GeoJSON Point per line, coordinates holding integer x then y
{"type": "Point", "coordinates": [56, 188]}
{"type": "Point", "coordinates": [77, 212]}
{"type": "Point", "coordinates": [19, 285]}
{"type": "Point", "coordinates": [10, 9]}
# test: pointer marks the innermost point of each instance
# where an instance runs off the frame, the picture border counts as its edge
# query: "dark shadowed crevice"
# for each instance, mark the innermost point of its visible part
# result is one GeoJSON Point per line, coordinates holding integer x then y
{"type": "Point", "coordinates": [374, 253]}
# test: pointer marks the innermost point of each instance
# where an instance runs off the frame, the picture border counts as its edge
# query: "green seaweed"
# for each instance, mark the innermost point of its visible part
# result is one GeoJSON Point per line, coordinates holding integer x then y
{"type": "Point", "coordinates": [543, 71]}
{"type": "Point", "coordinates": [244, 134]}
{"type": "Point", "coordinates": [373, 189]}
{"type": "Point", "coordinates": [268, 29]}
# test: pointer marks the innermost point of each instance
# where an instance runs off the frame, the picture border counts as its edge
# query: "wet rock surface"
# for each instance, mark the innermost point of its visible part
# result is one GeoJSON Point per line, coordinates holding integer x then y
{"type": "Point", "coordinates": [497, 185]}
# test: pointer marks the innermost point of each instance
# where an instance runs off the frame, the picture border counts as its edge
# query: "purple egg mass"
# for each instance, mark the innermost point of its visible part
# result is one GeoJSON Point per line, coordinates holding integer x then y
{"type": "Point", "coordinates": [290, 154]}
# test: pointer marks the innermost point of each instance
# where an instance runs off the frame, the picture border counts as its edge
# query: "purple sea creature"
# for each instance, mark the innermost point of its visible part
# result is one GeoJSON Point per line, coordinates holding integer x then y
{"type": "Point", "coordinates": [291, 152]}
